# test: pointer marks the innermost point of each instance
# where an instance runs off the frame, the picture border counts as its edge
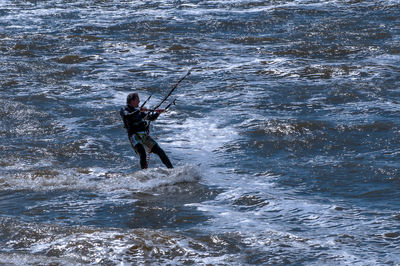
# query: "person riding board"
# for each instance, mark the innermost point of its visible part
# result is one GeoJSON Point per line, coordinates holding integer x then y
{"type": "Point", "coordinates": [137, 128]}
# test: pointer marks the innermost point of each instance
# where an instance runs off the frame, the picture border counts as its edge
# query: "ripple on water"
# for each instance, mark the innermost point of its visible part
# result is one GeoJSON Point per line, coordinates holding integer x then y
{"type": "Point", "coordinates": [292, 104]}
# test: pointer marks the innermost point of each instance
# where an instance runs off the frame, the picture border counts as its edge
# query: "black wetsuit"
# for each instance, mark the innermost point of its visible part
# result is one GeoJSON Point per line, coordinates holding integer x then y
{"type": "Point", "coordinates": [137, 129]}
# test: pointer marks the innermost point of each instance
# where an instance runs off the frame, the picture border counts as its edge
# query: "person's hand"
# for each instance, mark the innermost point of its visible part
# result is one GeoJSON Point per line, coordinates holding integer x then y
{"type": "Point", "coordinates": [159, 111]}
{"type": "Point", "coordinates": [143, 109]}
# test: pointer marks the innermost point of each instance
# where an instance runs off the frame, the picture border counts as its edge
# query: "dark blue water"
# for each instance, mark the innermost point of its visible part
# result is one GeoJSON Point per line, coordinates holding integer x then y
{"type": "Point", "coordinates": [285, 136]}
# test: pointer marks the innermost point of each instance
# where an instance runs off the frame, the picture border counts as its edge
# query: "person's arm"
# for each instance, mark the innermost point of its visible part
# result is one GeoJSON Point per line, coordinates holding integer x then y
{"type": "Point", "coordinates": [134, 113]}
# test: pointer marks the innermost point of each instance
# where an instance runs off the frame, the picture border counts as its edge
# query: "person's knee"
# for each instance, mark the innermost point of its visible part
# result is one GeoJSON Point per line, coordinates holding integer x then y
{"type": "Point", "coordinates": [156, 149]}
{"type": "Point", "coordinates": [142, 153]}
{"type": "Point", "coordinates": [139, 148]}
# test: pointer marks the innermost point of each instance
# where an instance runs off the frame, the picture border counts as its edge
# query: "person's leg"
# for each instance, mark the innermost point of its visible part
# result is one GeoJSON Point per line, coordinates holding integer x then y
{"type": "Point", "coordinates": [142, 153]}
{"type": "Point", "coordinates": [164, 158]}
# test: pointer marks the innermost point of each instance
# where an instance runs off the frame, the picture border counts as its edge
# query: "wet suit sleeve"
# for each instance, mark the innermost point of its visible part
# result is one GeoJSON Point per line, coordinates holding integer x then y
{"type": "Point", "coordinates": [125, 112]}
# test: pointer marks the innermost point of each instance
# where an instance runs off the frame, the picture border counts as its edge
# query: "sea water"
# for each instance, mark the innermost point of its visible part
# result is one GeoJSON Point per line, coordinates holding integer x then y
{"type": "Point", "coordinates": [285, 137]}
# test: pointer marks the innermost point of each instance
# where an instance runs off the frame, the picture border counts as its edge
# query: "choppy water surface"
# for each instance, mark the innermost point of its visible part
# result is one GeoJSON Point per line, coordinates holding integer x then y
{"type": "Point", "coordinates": [285, 136]}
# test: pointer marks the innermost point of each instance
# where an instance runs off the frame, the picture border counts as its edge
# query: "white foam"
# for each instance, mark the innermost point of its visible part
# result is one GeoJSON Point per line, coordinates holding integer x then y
{"type": "Point", "coordinates": [100, 180]}
{"type": "Point", "coordinates": [201, 137]}
{"type": "Point", "coordinates": [34, 259]}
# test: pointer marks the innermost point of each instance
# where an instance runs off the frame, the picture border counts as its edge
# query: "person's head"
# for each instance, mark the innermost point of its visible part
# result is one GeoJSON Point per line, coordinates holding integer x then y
{"type": "Point", "coordinates": [133, 99]}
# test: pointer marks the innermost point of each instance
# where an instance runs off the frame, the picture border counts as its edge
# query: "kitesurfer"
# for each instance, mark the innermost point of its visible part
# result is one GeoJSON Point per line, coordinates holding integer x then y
{"type": "Point", "coordinates": [135, 121]}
